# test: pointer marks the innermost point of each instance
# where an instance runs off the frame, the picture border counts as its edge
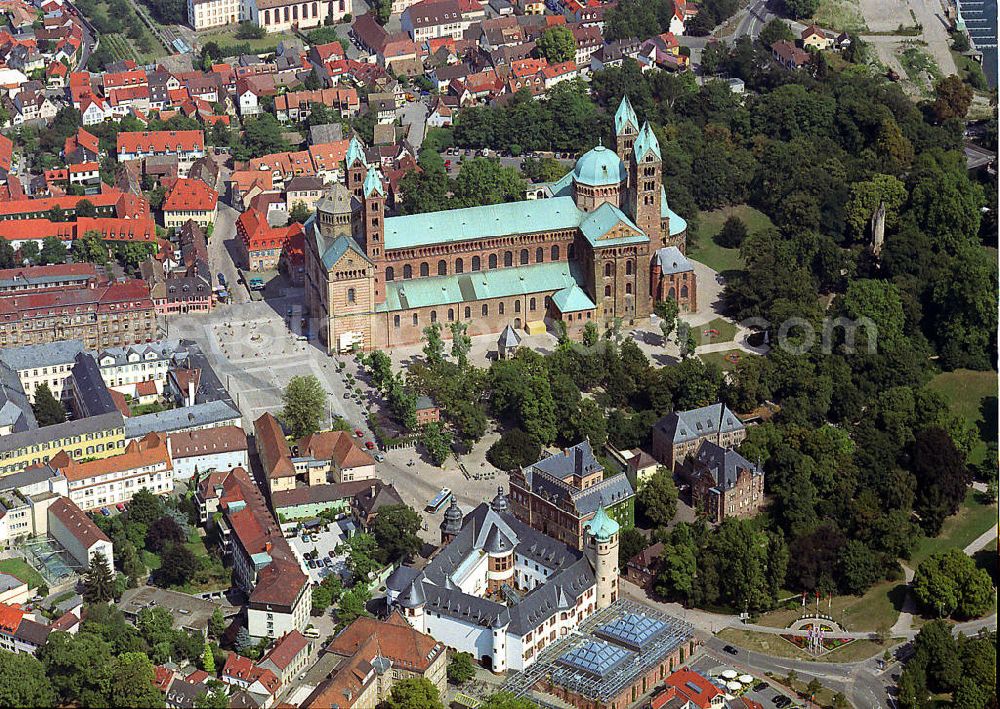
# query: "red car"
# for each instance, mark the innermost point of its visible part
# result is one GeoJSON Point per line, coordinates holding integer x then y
{"type": "Point", "coordinates": [358, 433]}
{"type": "Point", "coordinates": [370, 445]}
{"type": "Point", "coordinates": [120, 507]}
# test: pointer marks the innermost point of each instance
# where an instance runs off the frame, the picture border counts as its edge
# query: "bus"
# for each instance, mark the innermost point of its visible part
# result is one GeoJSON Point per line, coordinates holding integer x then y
{"type": "Point", "coordinates": [440, 500]}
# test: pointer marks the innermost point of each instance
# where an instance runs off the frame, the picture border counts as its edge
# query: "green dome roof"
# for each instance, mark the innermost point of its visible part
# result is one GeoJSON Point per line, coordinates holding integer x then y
{"type": "Point", "coordinates": [601, 525]}
{"type": "Point", "coordinates": [599, 167]}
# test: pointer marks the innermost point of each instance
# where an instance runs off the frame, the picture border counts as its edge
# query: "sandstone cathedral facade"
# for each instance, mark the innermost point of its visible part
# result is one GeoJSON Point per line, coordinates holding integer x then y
{"type": "Point", "coordinates": [598, 244]}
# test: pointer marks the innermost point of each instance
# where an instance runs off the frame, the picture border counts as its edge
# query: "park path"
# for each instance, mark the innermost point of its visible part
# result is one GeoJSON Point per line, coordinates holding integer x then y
{"type": "Point", "coordinates": [981, 541]}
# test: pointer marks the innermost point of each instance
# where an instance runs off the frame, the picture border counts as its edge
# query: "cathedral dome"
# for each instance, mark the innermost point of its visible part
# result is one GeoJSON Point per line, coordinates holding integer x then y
{"type": "Point", "coordinates": [599, 167]}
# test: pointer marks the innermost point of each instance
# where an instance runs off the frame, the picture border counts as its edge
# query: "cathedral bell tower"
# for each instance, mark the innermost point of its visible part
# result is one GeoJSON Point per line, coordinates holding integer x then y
{"type": "Point", "coordinates": [357, 167]}
{"type": "Point", "coordinates": [645, 184]}
{"type": "Point", "coordinates": [626, 130]}
{"type": "Point", "coordinates": [373, 227]}
{"type": "Point", "coordinates": [601, 539]}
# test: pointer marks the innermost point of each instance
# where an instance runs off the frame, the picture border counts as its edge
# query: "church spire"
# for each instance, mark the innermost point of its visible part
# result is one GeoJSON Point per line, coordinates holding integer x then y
{"type": "Point", "coordinates": [625, 117]}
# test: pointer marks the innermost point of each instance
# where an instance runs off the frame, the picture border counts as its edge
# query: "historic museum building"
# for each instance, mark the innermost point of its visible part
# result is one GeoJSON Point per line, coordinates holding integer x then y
{"type": "Point", "coordinates": [589, 247]}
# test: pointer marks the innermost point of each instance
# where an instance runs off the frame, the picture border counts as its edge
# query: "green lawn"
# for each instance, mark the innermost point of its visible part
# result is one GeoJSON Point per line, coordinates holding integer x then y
{"type": "Point", "coordinates": [716, 257]}
{"type": "Point", "coordinates": [719, 358]}
{"type": "Point", "coordinates": [726, 329]}
{"type": "Point", "coordinates": [226, 37]}
{"type": "Point", "coordinates": [973, 395]}
{"type": "Point", "coordinates": [879, 606]}
{"type": "Point", "coordinates": [20, 569]}
{"type": "Point", "coordinates": [973, 519]}
{"type": "Point", "coordinates": [776, 646]}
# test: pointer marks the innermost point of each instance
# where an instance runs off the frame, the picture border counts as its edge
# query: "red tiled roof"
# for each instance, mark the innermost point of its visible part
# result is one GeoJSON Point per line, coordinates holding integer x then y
{"type": "Point", "coordinates": [286, 649]}
{"type": "Point", "coordinates": [161, 141]}
{"type": "Point", "coordinates": [274, 452]}
{"type": "Point", "coordinates": [76, 522]}
{"type": "Point", "coordinates": [328, 156]}
{"type": "Point", "coordinates": [190, 195]}
{"type": "Point", "coordinates": [10, 618]}
{"type": "Point", "coordinates": [6, 152]}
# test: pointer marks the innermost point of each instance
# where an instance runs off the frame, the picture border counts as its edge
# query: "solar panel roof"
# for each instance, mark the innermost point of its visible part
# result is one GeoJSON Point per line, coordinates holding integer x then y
{"type": "Point", "coordinates": [632, 630]}
{"type": "Point", "coordinates": [596, 658]}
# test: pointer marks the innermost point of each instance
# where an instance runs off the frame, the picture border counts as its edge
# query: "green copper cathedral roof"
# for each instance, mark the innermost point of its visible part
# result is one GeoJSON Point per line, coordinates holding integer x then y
{"type": "Point", "coordinates": [646, 142]}
{"type": "Point", "coordinates": [625, 116]}
{"type": "Point", "coordinates": [601, 526]}
{"type": "Point", "coordinates": [373, 183]}
{"type": "Point", "coordinates": [599, 167]}
{"type": "Point", "coordinates": [355, 152]}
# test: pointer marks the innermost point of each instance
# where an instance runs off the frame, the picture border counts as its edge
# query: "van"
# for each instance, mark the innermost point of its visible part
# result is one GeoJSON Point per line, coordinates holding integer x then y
{"type": "Point", "coordinates": [311, 633]}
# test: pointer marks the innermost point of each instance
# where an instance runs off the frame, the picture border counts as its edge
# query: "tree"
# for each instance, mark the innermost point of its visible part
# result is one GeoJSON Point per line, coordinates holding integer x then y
{"type": "Point", "coordinates": [328, 592]}
{"type": "Point", "coordinates": [131, 682]}
{"type": "Point", "coordinates": [179, 565]}
{"type": "Point", "coordinates": [461, 343]}
{"type": "Point", "coordinates": [243, 641]}
{"type": "Point", "coordinates": [23, 682]}
{"type": "Point", "coordinates": [437, 442]}
{"type": "Point", "coordinates": [300, 213]}
{"type": "Point", "coordinates": [557, 44]}
{"type": "Point", "coordinates": [145, 508]}
{"type": "Point", "coordinates": [217, 624]}
{"type": "Point", "coordinates": [56, 214]}
{"type": "Point", "coordinates": [85, 208]}
{"type": "Point", "coordinates": [941, 475]}
{"type": "Point", "coordinates": [433, 344]}
{"type": "Point", "coordinates": [591, 335]}
{"type": "Point", "coordinates": [514, 449]}
{"type": "Point", "coordinates": [414, 693]}
{"type": "Point", "coordinates": [774, 31]}
{"type": "Point", "coordinates": [91, 248]}
{"type": "Point", "coordinates": [732, 234]}
{"type": "Point", "coordinates": [208, 660]}
{"type": "Point", "coordinates": [867, 196]}
{"type": "Point", "coordinates": [99, 580]}
{"type": "Point", "coordinates": [305, 403]}
{"type": "Point", "coordinates": [361, 552]}
{"type": "Point", "coordinates": [53, 251]}
{"type": "Point", "coordinates": [74, 664]}
{"type": "Point", "coordinates": [163, 532]}
{"type": "Point", "coordinates": [800, 9]}
{"type": "Point", "coordinates": [949, 583]}
{"type": "Point", "coordinates": [216, 699]}
{"type": "Point", "coordinates": [47, 409]}
{"type": "Point", "coordinates": [312, 81]}
{"type": "Point", "coordinates": [352, 604]}
{"type": "Point", "coordinates": [658, 501]}
{"type": "Point", "coordinates": [814, 687]}
{"type": "Point", "coordinates": [29, 251]}
{"type": "Point", "coordinates": [8, 258]}
{"type": "Point", "coordinates": [484, 181]}
{"type": "Point", "coordinates": [461, 668]}
{"type": "Point", "coordinates": [395, 529]}
{"type": "Point", "coordinates": [953, 99]}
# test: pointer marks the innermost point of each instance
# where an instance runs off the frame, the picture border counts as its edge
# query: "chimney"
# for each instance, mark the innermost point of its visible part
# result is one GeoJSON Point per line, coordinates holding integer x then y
{"type": "Point", "coordinates": [578, 460]}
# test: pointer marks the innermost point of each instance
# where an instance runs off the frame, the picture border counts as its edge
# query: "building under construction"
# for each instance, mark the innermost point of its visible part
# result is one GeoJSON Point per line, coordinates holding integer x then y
{"type": "Point", "coordinates": [615, 657]}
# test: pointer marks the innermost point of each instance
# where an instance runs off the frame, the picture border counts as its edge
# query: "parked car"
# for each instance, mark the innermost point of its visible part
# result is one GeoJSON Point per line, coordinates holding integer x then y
{"type": "Point", "coordinates": [311, 633]}
{"type": "Point", "coordinates": [120, 507]}
{"type": "Point", "coordinates": [256, 284]}
{"type": "Point", "coordinates": [358, 433]}
{"type": "Point", "coordinates": [731, 650]}
{"type": "Point", "coordinates": [222, 278]}
{"type": "Point", "coordinates": [379, 457]}
{"type": "Point", "coordinates": [370, 445]}
{"type": "Point", "coordinates": [311, 563]}
{"type": "Point", "coordinates": [105, 511]}
{"type": "Point", "coordinates": [760, 686]}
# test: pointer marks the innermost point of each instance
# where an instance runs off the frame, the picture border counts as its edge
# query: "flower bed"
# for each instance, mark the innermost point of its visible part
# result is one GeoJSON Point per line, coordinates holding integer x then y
{"type": "Point", "coordinates": [828, 643]}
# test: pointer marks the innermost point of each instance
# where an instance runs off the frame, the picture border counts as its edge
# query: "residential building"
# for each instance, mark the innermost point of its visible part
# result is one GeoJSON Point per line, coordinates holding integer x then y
{"type": "Point", "coordinates": [49, 363]}
{"type": "Point", "coordinates": [642, 568]}
{"type": "Point", "coordinates": [22, 631]}
{"type": "Point", "coordinates": [360, 498]}
{"type": "Point", "coordinates": [77, 533]}
{"type": "Point", "coordinates": [41, 278]}
{"type": "Point", "coordinates": [680, 434]}
{"type": "Point", "coordinates": [93, 437]}
{"type": "Point", "coordinates": [185, 145]}
{"type": "Point", "coordinates": [691, 689]}
{"type": "Point", "coordinates": [189, 200]}
{"type": "Point", "coordinates": [123, 368]}
{"type": "Point", "coordinates": [816, 38]}
{"type": "Point", "coordinates": [195, 417]}
{"type": "Point", "coordinates": [203, 14]}
{"type": "Point", "coordinates": [117, 313]}
{"type": "Point", "coordinates": [194, 453]}
{"type": "Point", "coordinates": [25, 499]}
{"type": "Point", "coordinates": [788, 55]}
{"type": "Point", "coordinates": [297, 105]}
{"type": "Point", "coordinates": [430, 19]}
{"type": "Point", "coordinates": [306, 191]}
{"type": "Point", "coordinates": [501, 590]}
{"type": "Point", "coordinates": [723, 483]}
{"type": "Point", "coordinates": [582, 253]}
{"type": "Point", "coordinates": [335, 454]}
{"type": "Point", "coordinates": [427, 411]}
{"type": "Point", "coordinates": [98, 483]}
{"type": "Point", "coordinates": [264, 566]}
{"type": "Point", "coordinates": [262, 243]}
{"type": "Point", "coordinates": [561, 493]}
{"type": "Point", "coordinates": [287, 657]}
{"type": "Point", "coordinates": [638, 465]}
{"type": "Point", "coordinates": [374, 655]}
